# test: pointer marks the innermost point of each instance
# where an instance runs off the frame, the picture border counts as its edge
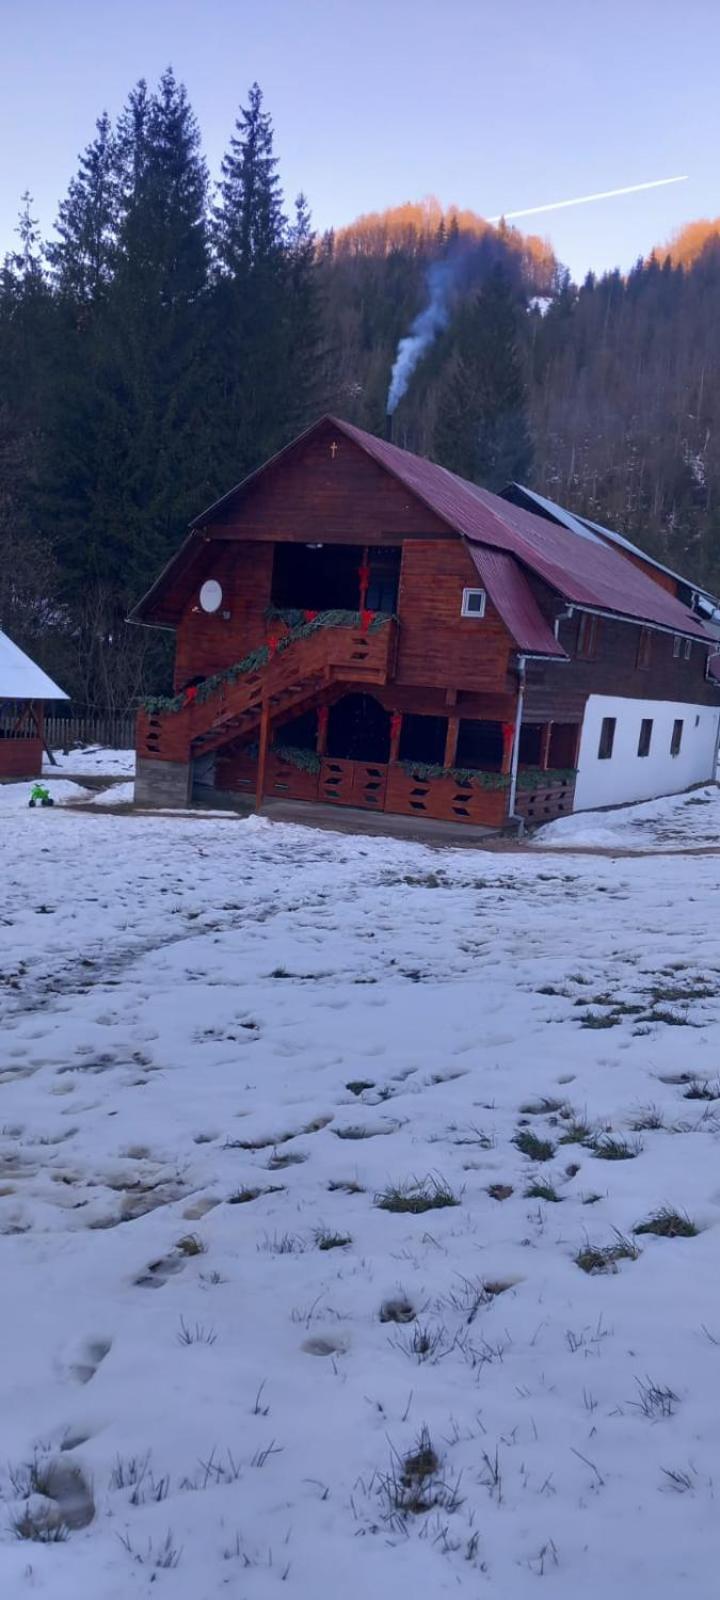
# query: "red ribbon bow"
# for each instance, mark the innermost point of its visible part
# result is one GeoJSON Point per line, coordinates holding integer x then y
{"type": "Point", "coordinates": [366, 618]}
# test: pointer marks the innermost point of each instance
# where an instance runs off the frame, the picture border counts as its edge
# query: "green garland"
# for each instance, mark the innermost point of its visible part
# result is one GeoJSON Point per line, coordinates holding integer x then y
{"type": "Point", "coordinates": [260, 657]}
{"type": "Point", "coordinates": [527, 778]}
{"type": "Point", "coordinates": [304, 760]}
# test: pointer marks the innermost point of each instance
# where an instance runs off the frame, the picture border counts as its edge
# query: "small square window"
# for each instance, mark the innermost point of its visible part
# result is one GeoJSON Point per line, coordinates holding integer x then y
{"type": "Point", "coordinates": [645, 739]}
{"type": "Point", "coordinates": [677, 645]}
{"type": "Point", "coordinates": [688, 649]}
{"type": "Point", "coordinates": [644, 649]}
{"type": "Point", "coordinates": [473, 603]}
{"type": "Point", "coordinates": [607, 738]}
{"type": "Point", "coordinates": [676, 740]}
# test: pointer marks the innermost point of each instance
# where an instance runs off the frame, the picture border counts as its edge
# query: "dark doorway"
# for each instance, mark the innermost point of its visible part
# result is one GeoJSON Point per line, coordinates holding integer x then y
{"type": "Point", "coordinates": [423, 739]}
{"type": "Point", "coordinates": [384, 563]}
{"type": "Point", "coordinates": [312, 577]}
{"type": "Point", "coordinates": [480, 745]}
{"type": "Point", "coordinates": [358, 729]}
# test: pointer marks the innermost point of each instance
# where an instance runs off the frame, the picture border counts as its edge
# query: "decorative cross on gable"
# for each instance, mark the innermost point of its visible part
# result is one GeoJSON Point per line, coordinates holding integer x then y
{"type": "Point", "coordinates": [334, 449]}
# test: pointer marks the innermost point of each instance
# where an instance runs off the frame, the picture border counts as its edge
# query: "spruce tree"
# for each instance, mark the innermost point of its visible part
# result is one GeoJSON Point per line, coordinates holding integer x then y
{"type": "Point", "coordinates": [482, 429]}
{"type": "Point", "coordinates": [82, 257]}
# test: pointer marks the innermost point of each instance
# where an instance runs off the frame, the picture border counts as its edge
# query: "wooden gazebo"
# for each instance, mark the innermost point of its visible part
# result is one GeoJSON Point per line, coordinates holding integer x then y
{"type": "Point", "coordinates": [24, 688]}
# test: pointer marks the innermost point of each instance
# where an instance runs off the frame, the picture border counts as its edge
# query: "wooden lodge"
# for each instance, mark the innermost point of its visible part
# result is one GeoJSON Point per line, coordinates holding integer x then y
{"type": "Point", "coordinates": [24, 688]}
{"type": "Point", "coordinates": [356, 626]}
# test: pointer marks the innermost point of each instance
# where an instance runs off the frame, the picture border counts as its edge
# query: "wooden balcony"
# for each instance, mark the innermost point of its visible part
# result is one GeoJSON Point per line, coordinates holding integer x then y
{"type": "Point", "coordinates": [294, 678]}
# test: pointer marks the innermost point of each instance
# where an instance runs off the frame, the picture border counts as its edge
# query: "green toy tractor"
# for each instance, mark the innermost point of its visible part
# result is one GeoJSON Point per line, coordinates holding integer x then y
{"type": "Point", "coordinates": [40, 796]}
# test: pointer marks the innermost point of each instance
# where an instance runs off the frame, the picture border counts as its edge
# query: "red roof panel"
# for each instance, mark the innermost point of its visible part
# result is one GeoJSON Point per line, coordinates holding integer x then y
{"type": "Point", "coordinates": [512, 596]}
{"type": "Point", "coordinates": [588, 574]}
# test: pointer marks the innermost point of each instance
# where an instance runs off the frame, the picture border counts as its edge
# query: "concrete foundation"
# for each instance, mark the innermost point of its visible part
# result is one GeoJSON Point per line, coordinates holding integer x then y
{"type": "Point", "coordinates": [162, 783]}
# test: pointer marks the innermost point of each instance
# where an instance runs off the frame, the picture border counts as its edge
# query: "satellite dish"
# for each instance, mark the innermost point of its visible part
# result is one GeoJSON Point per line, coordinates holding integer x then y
{"type": "Point", "coordinates": [211, 595]}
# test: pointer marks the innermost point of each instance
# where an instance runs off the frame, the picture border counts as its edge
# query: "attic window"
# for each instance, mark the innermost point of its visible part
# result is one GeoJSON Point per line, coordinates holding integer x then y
{"type": "Point", "coordinates": [677, 646]}
{"type": "Point", "coordinates": [688, 649]}
{"type": "Point", "coordinates": [473, 603]}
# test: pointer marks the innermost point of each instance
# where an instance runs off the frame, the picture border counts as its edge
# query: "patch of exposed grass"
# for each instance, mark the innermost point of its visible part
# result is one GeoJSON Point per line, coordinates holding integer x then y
{"type": "Point", "coordinates": [417, 1196]}
{"type": "Point", "coordinates": [414, 1486]}
{"type": "Point", "coordinates": [359, 1085]}
{"type": "Point", "coordinates": [242, 1197]}
{"type": "Point", "coordinates": [591, 1199]}
{"type": "Point", "coordinates": [500, 1191]}
{"type": "Point", "coordinates": [608, 1148]}
{"type": "Point", "coordinates": [285, 1158]}
{"type": "Point", "coordinates": [576, 1132]}
{"type": "Point", "coordinates": [647, 1119]}
{"type": "Point", "coordinates": [542, 1191]}
{"type": "Point", "coordinates": [595, 1259]}
{"type": "Point", "coordinates": [536, 1149]}
{"type": "Point", "coordinates": [703, 1089]}
{"type": "Point", "coordinates": [345, 1186]}
{"type": "Point", "coordinates": [668, 1224]}
{"type": "Point", "coordinates": [326, 1240]}
{"type": "Point", "coordinates": [197, 1334]}
{"type": "Point", "coordinates": [543, 1107]}
{"type": "Point", "coordinates": [655, 1399]}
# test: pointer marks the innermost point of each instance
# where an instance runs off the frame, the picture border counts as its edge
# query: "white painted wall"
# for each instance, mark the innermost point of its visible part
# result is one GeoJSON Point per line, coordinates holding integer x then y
{"type": "Point", "coordinates": [627, 776]}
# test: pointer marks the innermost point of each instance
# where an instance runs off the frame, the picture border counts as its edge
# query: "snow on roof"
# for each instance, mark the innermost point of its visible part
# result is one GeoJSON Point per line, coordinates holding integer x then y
{"type": "Point", "coordinates": [21, 679]}
{"type": "Point", "coordinates": [597, 531]}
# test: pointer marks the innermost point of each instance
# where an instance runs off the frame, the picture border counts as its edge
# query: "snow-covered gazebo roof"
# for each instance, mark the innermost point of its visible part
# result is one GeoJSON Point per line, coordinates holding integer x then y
{"type": "Point", "coordinates": [21, 679]}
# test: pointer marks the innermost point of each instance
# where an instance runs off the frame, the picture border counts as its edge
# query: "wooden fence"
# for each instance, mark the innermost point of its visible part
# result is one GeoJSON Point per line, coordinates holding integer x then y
{"type": "Point", "coordinates": [84, 725]}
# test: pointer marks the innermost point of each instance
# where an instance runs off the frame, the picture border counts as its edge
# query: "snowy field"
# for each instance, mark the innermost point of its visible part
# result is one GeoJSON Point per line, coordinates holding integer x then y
{"type": "Point", "coordinates": [320, 1163]}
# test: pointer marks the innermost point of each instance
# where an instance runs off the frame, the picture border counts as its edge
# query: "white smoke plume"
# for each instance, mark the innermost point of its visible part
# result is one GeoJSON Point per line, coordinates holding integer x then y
{"type": "Point", "coordinates": [428, 323]}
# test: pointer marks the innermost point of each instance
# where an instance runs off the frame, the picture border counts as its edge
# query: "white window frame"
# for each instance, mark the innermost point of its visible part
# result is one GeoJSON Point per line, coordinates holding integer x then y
{"type": "Point", "coordinates": [465, 608]}
{"type": "Point", "coordinates": [677, 646]}
{"type": "Point", "coordinates": [688, 649]}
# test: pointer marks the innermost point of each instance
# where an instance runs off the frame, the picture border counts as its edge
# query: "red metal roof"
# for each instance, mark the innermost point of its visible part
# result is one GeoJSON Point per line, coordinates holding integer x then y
{"type": "Point", "coordinates": [512, 596]}
{"type": "Point", "coordinates": [584, 573]}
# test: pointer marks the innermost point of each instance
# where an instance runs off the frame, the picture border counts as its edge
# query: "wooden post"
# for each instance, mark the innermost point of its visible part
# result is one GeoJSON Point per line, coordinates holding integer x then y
{"type": "Point", "coordinates": [322, 730]}
{"type": "Point", "coordinates": [262, 753]}
{"type": "Point", "coordinates": [451, 740]}
{"type": "Point", "coordinates": [395, 732]}
{"type": "Point", "coordinates": [545, 746]}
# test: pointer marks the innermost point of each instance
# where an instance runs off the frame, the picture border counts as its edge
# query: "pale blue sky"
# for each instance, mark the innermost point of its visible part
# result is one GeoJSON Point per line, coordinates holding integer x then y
{"type": "Point", "coordinates": [493, 106]}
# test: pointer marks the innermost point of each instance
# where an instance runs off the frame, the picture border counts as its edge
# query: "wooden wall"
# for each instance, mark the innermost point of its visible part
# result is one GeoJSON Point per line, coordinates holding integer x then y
{"type": "Point", "coordinates": [560, 691]}
{"type": "Point", "coordinates": [20, 758]}
{"type": "Point", "coordinates": [205, 644]}
{"type": "Point", "coordinates": [436, 645]}
{"type": "Point", "coordinates": [315, 495]}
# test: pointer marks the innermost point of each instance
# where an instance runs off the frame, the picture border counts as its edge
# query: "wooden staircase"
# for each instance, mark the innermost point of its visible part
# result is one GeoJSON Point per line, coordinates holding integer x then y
{"type": "Point", "coordinates": [293, 681]}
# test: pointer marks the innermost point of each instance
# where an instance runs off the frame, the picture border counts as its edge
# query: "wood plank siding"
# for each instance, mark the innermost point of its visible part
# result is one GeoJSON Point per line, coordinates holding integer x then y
{"type": "Point", "coordinates": [559, 692]}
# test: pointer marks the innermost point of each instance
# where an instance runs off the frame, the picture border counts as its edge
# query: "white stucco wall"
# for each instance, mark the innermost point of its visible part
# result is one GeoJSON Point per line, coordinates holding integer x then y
{"type": "Point", "coordinates": [627, 776]}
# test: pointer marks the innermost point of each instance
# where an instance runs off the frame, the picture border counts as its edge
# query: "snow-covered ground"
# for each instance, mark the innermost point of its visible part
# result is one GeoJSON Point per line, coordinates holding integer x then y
{"type": "Point", "coordinates": [92, 760]}
{"type": "Point", "coordinates": [227, 1047]}
{"type": "Point", "coordinates": [675, 822]}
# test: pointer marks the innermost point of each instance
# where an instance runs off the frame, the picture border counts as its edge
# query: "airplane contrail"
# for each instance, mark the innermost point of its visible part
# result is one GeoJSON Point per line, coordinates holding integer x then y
{"type": "Point", "coordinates": [585, 199]}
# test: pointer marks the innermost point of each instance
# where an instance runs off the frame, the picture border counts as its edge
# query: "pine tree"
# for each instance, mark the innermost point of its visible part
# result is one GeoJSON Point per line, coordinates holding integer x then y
{"type": "Point", "coordinates": [249, 220]}
{"type": "Point", "coordinates": [83, 255]}
{"type": "Point", "coordinates": [482, 429]}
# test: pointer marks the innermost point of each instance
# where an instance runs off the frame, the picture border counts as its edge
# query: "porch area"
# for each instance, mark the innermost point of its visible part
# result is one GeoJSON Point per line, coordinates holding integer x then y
{"type": "Point", "coordinates": [359, 753]}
